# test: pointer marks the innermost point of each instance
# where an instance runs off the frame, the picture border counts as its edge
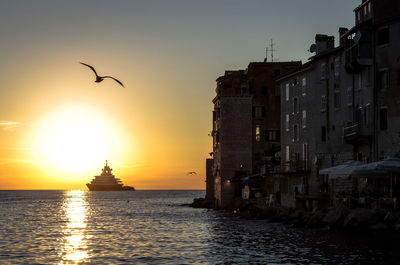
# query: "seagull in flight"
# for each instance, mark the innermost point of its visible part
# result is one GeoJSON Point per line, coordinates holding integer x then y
{"type": "Point", "coordinates": [101, 78]}
{"type": "Point", "coordinates": [192, 173]}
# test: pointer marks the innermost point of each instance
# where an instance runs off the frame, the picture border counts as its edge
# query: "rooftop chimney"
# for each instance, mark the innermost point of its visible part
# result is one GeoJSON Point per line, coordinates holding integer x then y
{"type": "Point", "coordinates": [342, 31]}
{"type": "Point", "coordinates": [324, 42]}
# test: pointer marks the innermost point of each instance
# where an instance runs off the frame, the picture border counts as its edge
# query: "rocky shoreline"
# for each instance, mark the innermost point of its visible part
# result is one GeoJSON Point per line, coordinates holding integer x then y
{"type": "Point", "coordinates": [334, 218]}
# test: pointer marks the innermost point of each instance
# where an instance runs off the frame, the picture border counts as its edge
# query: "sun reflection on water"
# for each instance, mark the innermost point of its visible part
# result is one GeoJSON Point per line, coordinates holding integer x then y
{"type": "Point", "coordinates": [75, 208]}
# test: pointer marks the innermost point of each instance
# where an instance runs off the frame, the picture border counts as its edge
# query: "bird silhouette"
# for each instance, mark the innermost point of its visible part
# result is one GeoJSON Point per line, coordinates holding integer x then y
{"type": "Point", "coordinates": [101, 78]}
{"type": "Point", "coordinates": [192, 173]}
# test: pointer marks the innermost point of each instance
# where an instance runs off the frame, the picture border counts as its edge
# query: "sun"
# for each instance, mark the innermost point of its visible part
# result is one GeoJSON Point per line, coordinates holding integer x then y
{"type": "Point", "coordinates": [76, 138]}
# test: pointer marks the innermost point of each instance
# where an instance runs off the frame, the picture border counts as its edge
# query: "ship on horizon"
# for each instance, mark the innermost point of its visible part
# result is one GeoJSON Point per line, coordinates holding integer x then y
{"type": "Point", "coordinates": [106, 181]}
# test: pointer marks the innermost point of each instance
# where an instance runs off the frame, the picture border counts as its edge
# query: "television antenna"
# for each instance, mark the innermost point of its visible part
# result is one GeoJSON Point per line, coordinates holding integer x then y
{"type": "Point", "coordinates": [271, 50]}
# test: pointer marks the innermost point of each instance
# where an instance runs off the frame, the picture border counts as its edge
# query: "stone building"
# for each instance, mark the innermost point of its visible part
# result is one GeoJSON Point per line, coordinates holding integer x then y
{"type": "Point", "coordinates": [209, 180]}
{"type": "Point", "coordinates": [314, 111]}
{"type": "Point", "coordinates": [246, 125]}
{"type": "Point", "coordinates": [343, 104]}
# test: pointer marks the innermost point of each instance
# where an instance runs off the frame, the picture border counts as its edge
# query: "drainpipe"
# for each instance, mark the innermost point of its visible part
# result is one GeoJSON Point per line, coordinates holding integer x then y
{"type": "Point", "coordinates": [375, 92]}
{"type": "Point", "coordinates": [353, 101]}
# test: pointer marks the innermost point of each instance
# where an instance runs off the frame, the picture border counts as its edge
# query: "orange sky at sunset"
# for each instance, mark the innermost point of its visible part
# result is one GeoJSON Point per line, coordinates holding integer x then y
{"type": "Point", "coordinates": [57, 127]}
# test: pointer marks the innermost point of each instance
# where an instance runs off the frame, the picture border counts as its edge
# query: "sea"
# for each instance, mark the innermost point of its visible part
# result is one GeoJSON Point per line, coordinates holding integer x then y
{"type": "Point", "coordinates": [155, 227]}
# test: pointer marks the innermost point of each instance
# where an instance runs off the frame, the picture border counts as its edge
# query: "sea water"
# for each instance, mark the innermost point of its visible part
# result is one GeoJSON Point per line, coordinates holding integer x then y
{"type": "Point", "coordinates": [152, 227]}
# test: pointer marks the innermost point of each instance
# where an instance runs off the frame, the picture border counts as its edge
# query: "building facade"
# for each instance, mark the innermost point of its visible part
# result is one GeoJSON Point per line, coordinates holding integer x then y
{"type": "Point", "coordinates": [246, 125]}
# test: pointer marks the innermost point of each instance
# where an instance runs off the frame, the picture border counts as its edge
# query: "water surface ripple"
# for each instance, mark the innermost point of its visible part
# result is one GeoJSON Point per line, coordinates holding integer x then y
{"type": "Point", "coordinates": [151, 227]}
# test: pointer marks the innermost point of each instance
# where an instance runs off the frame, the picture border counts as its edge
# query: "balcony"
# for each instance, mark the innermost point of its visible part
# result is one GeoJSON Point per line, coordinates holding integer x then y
{"type": "Point", "coordinates": [294, 166]}
{"type": "Point", "coordinates": [354, 135]}
{"type": "Point", "coordinates": [358, 56]}
{"type": "Point", "coordinates": [359, 50]}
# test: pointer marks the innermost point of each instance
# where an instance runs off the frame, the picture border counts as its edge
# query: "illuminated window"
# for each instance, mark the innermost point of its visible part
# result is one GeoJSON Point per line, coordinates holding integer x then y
{"type": "Point", "coordinates": [258, 133]}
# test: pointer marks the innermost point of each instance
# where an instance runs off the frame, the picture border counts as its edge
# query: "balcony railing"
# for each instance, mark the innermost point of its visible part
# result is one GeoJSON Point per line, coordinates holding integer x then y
{"type": "Point", "coordinates": [353, 134]}
{"type": "Point", "coordinates": [293, 166]}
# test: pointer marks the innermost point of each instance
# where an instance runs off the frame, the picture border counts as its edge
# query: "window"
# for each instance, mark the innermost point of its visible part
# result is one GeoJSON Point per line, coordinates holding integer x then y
{"type": "Point", "coordinates": [367, 75]}
{"type": "Point", "coordinates": [271, 135]}
{"type": "Point", "coordinates": [287, 92]}
{"type": "Point", "coordinates": [258, 133]}
{"type": "Point", "coordinates": [323, 70]}
{"type": "Point", "coordinates": [337, 67]}
{"type": "Point", "coordinates": [295, 82]}
{"type": "Point", "coordinates": [304, 119]}
{"type": "Point", "coordinates": [295, 133]}
{"type": "Point", "coordinates": [367, 113]}
{"type": "Point", "coordinates": [323, 134]}
{"type": "Point", "coordinates": [383, 36]}
{"type": "Point", "coordinates": [287, 123]}
{"type": "Point", "coordinates": [398, 77]}
{"type": "Point", "coordinates": [349, 96]}
{"type": "Point", "coordinates": [295, 105]}
{"type": "Point", "coordinates": [287, 153]}
{"type": "Point", "coordinates": [358, 114]}
{"type": "Point", "coordinates": [303, 86]}
{"type": "Point", "coordinates": [264, 90]}
{"type": "Point", "coordinates": [383, 79]}
{"type": "Point", "coordinates": [323, 103]}
{"type": "Point", "coordinates": [383, 118]}
{"type": "Point", "coordinates": [305, 151]}
{"type": "Point", "coordinates": [350, 115]}
{"type": "Point", "coordinates": [259, 111]}
{"type": "Point", "coordinates": [336, 99]}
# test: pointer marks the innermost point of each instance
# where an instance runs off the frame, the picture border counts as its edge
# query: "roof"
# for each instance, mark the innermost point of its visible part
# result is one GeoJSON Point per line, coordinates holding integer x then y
{"type": "Point", "coordinates": [301, 69]}
{"type": "Point", "coordinates": [361, 5]}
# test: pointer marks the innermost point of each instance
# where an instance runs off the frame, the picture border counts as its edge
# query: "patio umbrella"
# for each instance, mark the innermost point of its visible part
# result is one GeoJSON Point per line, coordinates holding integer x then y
{"type": "Point", "coordinates": [386, 166]}
{"type": "Point", "coordinates": [341, 171]}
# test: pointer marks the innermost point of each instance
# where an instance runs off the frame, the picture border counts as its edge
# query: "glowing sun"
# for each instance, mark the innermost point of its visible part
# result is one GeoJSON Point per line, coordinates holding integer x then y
{"type": "Point", "coordinates": [76, 138]}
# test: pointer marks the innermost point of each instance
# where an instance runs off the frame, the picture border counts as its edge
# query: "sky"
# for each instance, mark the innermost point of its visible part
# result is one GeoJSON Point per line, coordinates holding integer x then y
{"type": "Point", "coordinates": [57, 127]}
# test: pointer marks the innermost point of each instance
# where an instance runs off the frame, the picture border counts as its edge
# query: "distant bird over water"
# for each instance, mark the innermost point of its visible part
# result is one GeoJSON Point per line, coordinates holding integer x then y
{"type": "Point", "coordinates": [192, 173]}
{"type": "Point", "coordinates": [101, 78]}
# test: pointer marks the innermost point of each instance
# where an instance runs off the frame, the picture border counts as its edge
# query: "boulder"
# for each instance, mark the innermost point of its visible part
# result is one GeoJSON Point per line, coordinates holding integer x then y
{"type": "Point", "coordinates": [380, 213]}
{"type": "Point", "coordinates": [315, 220]}
{"type": "Point", "coordinates": [202, 203]}
{"type": "Point", "coordinates": [390, 218]}
{"type": "Point", "coordinates": [360, 218]}
{"type": "Point", "coordinates": [335, 215]}
{"type": "Point", "coordinates": [379, 227]}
